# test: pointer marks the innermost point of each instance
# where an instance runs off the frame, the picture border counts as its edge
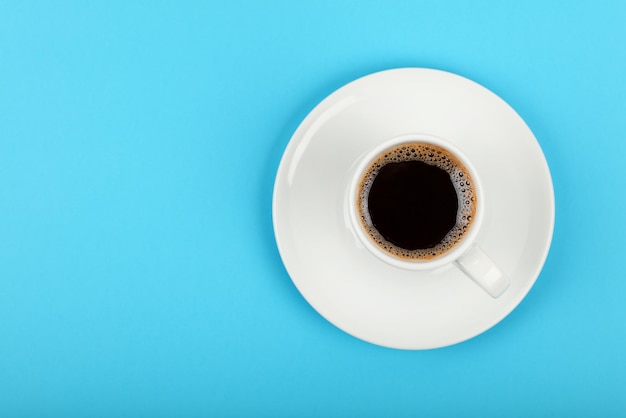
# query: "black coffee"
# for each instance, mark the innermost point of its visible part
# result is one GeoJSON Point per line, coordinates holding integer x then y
{"type": "Point", "coordinates": [416, 201]}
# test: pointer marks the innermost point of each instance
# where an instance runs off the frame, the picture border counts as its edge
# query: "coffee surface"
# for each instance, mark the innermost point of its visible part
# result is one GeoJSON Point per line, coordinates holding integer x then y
{"type": "Point", "coordinates": [416, 201]}
{"type": "Point", "coordinates": [413, 205]}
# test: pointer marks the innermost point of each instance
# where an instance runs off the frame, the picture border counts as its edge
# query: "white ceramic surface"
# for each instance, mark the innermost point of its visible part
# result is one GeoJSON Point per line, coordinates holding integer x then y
{"type": "Point", "coordinates": [466, 254]}
{"type": "Point", "coordinates": [355, 290]}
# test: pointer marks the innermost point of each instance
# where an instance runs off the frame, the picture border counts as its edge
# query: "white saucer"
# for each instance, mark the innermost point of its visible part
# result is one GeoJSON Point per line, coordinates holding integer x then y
{"type": "Point", "coordinates": [366, 297]}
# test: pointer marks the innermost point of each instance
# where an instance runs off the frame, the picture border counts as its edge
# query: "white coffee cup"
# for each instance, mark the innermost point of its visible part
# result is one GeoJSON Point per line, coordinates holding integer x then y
{"type": "Point", "coordinates": [465, 254]}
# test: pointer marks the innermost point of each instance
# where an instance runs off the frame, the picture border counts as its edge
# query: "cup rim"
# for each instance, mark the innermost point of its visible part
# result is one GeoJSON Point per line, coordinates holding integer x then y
{"type": "Point", "coordinates": [446, 258]}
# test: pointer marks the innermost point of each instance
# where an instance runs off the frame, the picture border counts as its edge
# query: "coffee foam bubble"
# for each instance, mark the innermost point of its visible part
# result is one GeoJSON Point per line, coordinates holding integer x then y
{"type": "Point", "coordinates": [432, 155]}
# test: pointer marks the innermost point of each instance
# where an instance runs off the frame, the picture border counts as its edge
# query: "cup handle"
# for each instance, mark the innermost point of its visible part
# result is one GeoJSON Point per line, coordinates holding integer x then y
{"type": "Point", "coordinates": [483, 271]}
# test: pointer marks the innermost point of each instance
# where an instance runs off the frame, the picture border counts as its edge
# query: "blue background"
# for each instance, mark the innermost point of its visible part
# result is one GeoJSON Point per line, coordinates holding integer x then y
{"type": "Point", "coordinates": [138, 147]}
